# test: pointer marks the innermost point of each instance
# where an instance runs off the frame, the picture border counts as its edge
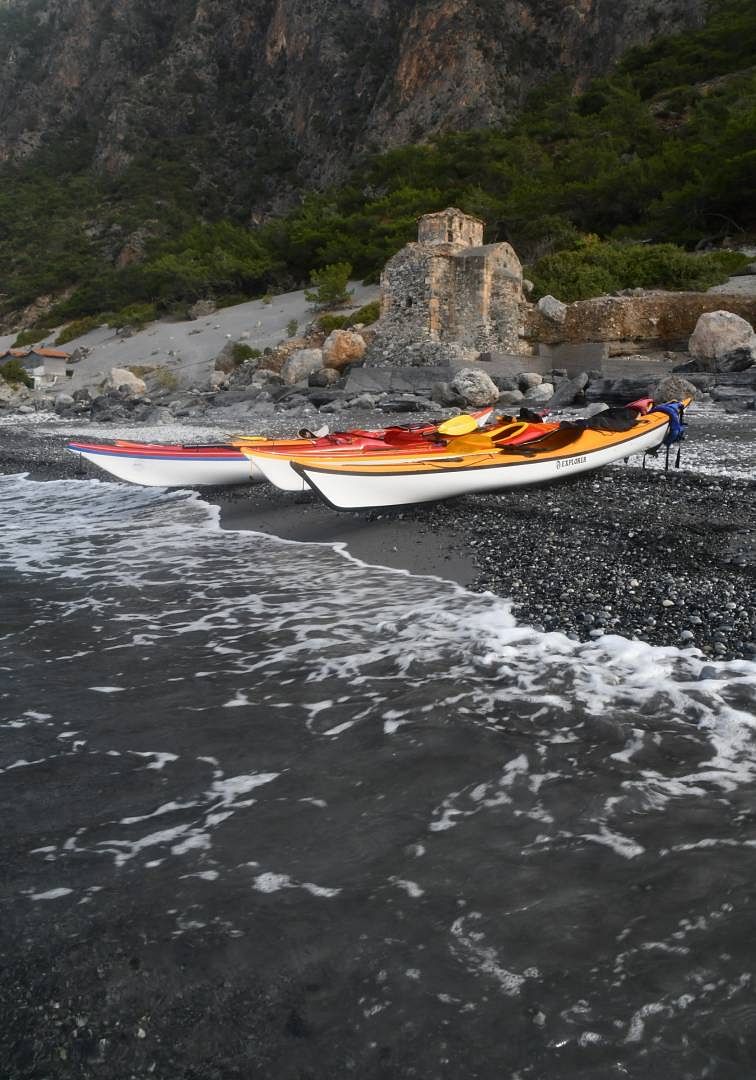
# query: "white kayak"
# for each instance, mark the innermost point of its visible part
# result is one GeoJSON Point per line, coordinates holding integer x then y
{"type": "Point", "coordinates": [155, 465]}
{"type": "Point", "coordinates": [566, 452]}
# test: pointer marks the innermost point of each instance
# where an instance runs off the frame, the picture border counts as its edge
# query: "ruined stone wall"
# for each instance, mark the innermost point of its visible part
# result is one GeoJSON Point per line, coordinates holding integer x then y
{"type": "Point", "coordinates": [416, 287]}
{"type": "Point", "coordinates": [485, 312]}
{"type": "Point", "coordinates": [656, 317]}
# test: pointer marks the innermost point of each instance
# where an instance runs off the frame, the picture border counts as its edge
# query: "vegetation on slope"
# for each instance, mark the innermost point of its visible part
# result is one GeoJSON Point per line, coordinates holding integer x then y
{"type": "Point", "coordinates": [661, 151]}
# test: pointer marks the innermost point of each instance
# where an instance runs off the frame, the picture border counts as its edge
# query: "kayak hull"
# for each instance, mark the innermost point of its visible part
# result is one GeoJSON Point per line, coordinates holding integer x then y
{"type": "Point", "coordinates": [355, 486]}
{"type": "Point", "coordinates": [172, 467]}
{"type": "Point", "coordinates": [223, 464]}
{"type": "Point", "coordinates": [275, 461]}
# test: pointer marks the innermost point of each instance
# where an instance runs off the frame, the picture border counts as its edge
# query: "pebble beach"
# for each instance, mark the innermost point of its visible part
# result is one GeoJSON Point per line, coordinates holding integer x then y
{"type": "Point", "coordinates": [665, 556]}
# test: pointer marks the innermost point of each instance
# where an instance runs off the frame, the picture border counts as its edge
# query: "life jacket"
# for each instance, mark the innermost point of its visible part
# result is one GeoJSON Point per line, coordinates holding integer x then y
{"type": "Point", "coordinates": [675, 410]}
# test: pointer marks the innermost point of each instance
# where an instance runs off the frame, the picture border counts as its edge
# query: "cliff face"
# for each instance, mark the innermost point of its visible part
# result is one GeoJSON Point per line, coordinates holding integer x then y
{"type": "Point", "coordinates": [292, 88]}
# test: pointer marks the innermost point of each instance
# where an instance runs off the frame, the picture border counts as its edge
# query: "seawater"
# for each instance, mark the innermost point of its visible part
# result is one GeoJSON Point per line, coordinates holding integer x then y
{"type": "Point", "coordinates": [466, 848]}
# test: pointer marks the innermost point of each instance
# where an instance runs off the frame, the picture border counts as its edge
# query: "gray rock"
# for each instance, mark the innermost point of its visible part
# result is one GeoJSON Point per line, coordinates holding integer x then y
{"type": "Point", "coordinates": [528, 379]}
{"type": "Point", "coordinates": [618, 391]}
{"type": "Point", "coordinates": [674, 388]}
{"type": "Point", "coordinates": [300, 364]}
{"type": "Point", "coordinates": [566, 392]}
{"type": "Point", "coordinates": [687, 367]}
{"type": "Point", "coordinates": [319, 398]}
{"type": "Point", "coordinates": [595, 408]}
{"type": "Point", "coordinates": [539, 395]}
{"type": "Point", "coordinates": [717, 333]}
{"type": "Point", "coordinates": [739, 359]}
{"type": "Point", "coordinates": [552, 309]}
{"type": "Point", "coordinates": [475, 387]}
{"type": "Point", "coordinates": [505, 382]}
{"type": "Point", "coordinates": [323, 377]}
{"type": "Point", "coordinates": [445, 394]}
{"type": "Point", "coordinates": [123, 377]}
{"type": "Point", "coordinates": [511, 397]}
{"type": "Point", "coordinates": [63, 402]}
{"type": "Point", "coordinates": [732, 393]}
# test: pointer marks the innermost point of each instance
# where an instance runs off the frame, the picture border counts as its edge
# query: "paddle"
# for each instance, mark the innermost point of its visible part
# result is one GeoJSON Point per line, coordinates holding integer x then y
{"type": "Point", "coordinates": [463, 424]}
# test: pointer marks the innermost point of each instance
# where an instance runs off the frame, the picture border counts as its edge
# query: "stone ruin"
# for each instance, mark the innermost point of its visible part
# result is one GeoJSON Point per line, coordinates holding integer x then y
{"type": "Point", "coordinates": [448, 293]}
{"type": "Point", "coordinates": [449, 300]}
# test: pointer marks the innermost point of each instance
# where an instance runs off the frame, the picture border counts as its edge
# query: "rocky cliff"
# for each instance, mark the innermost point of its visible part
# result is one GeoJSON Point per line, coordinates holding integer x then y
{"type": "Point", "coordinates": [294, 88]}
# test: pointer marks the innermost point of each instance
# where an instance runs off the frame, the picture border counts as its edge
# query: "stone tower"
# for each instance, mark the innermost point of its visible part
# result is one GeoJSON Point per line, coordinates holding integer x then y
{"type": "Point", "coordinates": [450, 226]}
{"type": "Point", "coordinates": [449, 288]}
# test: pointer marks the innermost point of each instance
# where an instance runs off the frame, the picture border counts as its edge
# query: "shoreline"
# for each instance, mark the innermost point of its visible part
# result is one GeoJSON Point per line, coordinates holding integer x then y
{"type": "Point", "coordinates": [668, 558]}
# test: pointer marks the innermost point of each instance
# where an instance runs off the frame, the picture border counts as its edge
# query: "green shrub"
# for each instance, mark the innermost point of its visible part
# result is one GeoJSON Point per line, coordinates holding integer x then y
{"type": "Point", "coordinates": [231, 300]}
{"type": "Point", "coordinates": [365, 315]}
{"type": "Point", "coordinates": [291, 327]}
{"type": "Point", "coordinates": [330, 285]}
{"type": "Point", "coordinates": [242, 352]}
{"type": "Point", "coordinates": [79, 327]}
{"type": "Point", "coordinates": [28, 337]}
{"type": "Point", "coordinates": [136, 315]}
{"type": "Point", "coordinates": [596, 268]}
{"type": "Point", "coordinates": [328, 323]}
{"type": "Point", "coordinates": [13, 372]}
{"type": "Point", "coordinates": [165, 378]}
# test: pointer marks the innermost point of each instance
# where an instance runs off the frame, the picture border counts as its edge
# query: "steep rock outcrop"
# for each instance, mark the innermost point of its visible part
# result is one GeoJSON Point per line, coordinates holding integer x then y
{"type": "Point", "coordinates": [291, 87]}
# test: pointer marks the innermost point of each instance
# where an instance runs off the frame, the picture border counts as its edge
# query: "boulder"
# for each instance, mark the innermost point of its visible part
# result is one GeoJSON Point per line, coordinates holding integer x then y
{"type": "Point", "coordinates": [718, 333]}
{"type": "Point", "coordinates": [552, 309]}
{"type": "Point", "coordinates": [327, 376]}
{"type": "Point", "coordinates": [444, 394]}
{"type": "Point", "coordinates": [595, 408]}
{"type": "Point", "coordinates": [619, 391]}
{"type": "Point", "coordinates": [300, 364]}
{"type": "Point", "coordinates": [567, 391]}
{"type": "Point", "coordinates": [123, 377]}
{"type": "Point", "coordinates": [475, 387]}
{"type": "Point", "coordinates": [528, 379]}
{"type": "Point", "coordinates": [511, 397]}
{"type": "Point", "coordinates": [505, 382]}
{"type": "Point", "coordinates": [674, 388]}
{"type": "Point", "coordinates": [739, 359]}
{"type": "Point", "coordinates": [539, 395]}
{"type": "Point", "coordinates": [342, 347]}
{"type": "Point", "coordinates": [63, 402]}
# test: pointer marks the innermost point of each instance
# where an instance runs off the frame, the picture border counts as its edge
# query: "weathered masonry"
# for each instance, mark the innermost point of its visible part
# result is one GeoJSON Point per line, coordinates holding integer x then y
{"type": "Point", "coordinates": [450, 287]}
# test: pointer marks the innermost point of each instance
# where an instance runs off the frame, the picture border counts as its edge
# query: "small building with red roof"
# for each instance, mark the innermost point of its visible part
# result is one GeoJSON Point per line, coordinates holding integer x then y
{"type": "Point", "coordinates": [45, 364]}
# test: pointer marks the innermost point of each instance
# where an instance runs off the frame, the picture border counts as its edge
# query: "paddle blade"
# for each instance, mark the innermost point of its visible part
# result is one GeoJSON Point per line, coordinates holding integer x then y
{"type": "Point", "coordinates": [458, 425]}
